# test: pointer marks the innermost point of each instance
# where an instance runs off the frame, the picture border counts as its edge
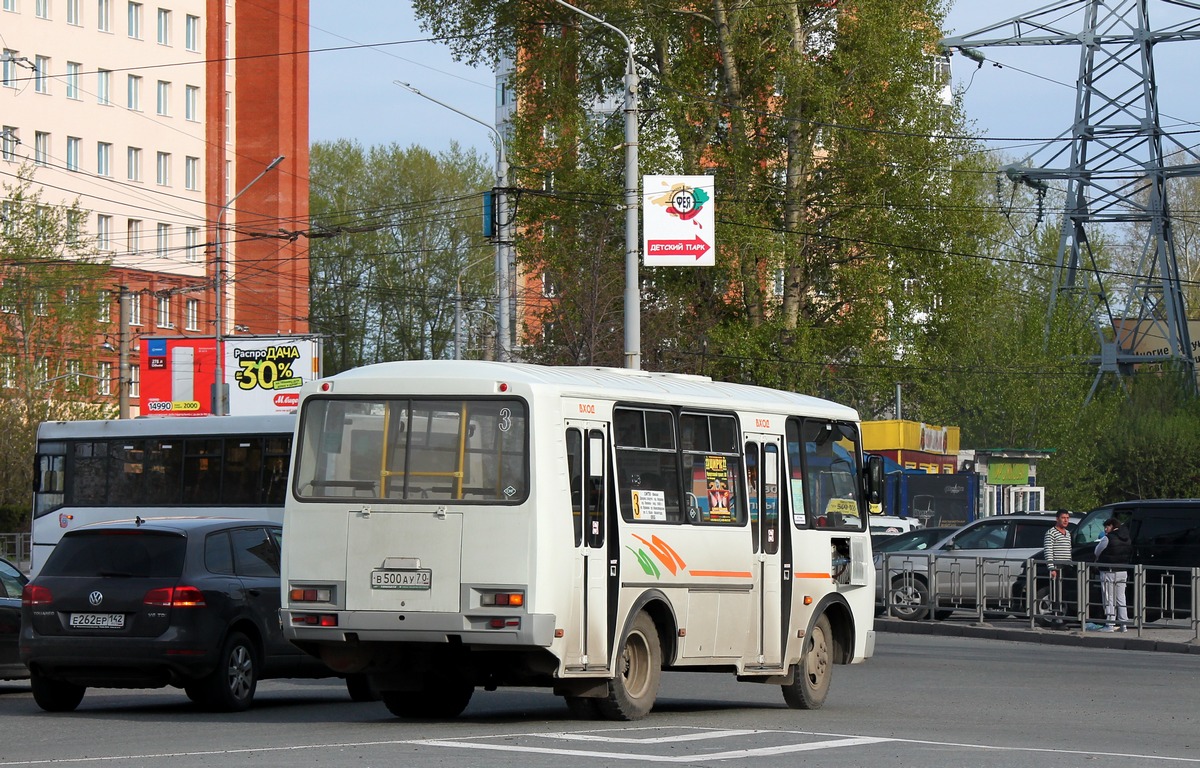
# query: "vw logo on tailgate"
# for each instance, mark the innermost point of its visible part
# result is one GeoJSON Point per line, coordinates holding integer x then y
{"type": "Point", "coordinates": [96, 597]}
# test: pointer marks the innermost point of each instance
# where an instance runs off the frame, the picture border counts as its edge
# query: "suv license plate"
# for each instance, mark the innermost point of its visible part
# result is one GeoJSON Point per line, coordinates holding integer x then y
{"type": "Point", "coordinates": [101, 620]}
{"type": "Point", "coordinates": [420, 578]}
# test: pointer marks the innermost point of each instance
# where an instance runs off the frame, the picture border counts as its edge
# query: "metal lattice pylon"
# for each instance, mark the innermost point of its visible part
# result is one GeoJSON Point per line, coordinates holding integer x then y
{"type": "Point", "coordinates": [1116, 172]}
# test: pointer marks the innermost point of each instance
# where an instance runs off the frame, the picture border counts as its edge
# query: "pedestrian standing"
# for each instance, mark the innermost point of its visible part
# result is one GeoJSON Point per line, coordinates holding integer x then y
{"type": "Point", "coordinates": [1057, 548]}
{"type": "Point", "coordinates": [1113, 553]}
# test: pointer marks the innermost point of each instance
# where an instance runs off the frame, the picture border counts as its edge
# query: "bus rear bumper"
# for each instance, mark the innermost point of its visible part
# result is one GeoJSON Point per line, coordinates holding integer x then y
{"type": "Point", "coordinates": [513, 630]}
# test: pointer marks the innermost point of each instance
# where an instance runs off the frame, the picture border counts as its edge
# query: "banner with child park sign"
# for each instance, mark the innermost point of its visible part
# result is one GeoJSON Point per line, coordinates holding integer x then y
{"type": "Point", "coordinates": [677, 221]}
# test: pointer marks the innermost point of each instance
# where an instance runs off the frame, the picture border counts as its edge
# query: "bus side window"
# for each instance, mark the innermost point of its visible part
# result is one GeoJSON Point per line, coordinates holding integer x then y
{"type": "Point", "coordinates": [575, 479]}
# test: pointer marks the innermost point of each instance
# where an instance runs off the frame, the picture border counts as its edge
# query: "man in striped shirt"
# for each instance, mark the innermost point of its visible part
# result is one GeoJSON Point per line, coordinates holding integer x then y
{"type": "Point", "coordinates": [1057, 546]}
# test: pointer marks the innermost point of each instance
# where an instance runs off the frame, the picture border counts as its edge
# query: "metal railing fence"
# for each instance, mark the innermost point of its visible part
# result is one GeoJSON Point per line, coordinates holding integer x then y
{"type": "Point", "coordinates": [920, 586]}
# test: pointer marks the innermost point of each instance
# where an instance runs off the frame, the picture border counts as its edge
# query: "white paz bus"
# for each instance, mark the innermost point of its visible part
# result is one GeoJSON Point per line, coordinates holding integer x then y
{"type": "Point", "coordinates": [455, 525]}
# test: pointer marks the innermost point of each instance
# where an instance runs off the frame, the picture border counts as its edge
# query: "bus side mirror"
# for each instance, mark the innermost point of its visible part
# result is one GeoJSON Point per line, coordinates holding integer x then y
{"type": "Point", "coordinates": [874, 479]}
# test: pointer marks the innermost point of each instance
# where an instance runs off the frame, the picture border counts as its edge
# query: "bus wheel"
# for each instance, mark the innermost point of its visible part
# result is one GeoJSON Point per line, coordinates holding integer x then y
{"type": "Point", "coordinates": [632, 692]}
{"type": "Point", "coordinates": [582, 708]}
{"type": "Point", "coordinates": [55, 695]}
{"type": "Point", "coordinates": [438, 700]}
{"type": "Point", "coordinates": [810, 684]}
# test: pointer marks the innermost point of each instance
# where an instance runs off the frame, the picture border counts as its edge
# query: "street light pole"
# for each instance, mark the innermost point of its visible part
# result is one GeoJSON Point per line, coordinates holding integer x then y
{"type": "Point", "coordinates": [633, 309]}
{"type": "Point", "coordinates": [219, 387]}
{"type": "Point", "coordinates": [503, 235]}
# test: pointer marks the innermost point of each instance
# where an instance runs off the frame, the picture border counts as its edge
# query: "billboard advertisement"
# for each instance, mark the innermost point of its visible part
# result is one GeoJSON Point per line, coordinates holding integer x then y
{"type": "Point", "coordinates": [177, 376]}
{"type": "Point", "coordinates": [263, 373]}
{"type": "Point", "coordinates": [678, 221]}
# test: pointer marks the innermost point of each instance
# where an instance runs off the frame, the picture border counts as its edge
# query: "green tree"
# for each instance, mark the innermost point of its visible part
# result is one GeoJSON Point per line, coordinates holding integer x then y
{"type": "Point", "coordinates": [393, 229]}
{"type": "Point", "coordinates": [48, 321]}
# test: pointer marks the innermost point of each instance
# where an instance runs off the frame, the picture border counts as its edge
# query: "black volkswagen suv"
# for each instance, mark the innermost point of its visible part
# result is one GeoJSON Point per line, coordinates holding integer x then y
{"type": "Point", "coordinates": [187, 602]}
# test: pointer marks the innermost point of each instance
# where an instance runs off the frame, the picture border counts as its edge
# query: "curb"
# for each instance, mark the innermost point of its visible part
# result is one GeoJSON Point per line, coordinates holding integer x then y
{"type": "Point", "coordinates": [1075, 638]}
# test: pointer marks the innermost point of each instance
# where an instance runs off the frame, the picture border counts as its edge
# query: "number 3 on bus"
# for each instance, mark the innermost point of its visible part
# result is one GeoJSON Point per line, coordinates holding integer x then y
{"type": "Point", "coordinates": [455, 525]}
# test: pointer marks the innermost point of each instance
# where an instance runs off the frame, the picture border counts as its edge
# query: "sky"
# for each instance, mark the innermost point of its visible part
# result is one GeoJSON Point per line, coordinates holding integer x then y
{"type": "Point", "coordinates": [1019, 93]}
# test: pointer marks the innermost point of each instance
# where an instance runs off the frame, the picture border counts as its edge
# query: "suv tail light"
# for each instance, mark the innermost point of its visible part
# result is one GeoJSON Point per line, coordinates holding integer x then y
{"type": "Point", "coordinates": [175, 597]}
{"type": "Point", "coordinates": [32, 594]}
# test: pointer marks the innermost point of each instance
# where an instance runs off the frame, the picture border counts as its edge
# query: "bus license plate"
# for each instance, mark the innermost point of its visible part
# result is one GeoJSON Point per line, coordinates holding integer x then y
{"type": "Point", "coordinates": [420, 578]}
{"type": "Point", "coordinates": [100, 620]}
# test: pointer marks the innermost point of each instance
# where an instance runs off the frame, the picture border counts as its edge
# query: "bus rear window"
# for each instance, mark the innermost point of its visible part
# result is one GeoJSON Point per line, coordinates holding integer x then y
{"type": "Point", "coordinates": [414, 450]}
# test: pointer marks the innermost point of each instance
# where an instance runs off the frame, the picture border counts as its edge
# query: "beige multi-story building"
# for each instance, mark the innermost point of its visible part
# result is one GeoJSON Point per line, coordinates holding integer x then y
{"type": "Point", "coordinates": [155, 116]}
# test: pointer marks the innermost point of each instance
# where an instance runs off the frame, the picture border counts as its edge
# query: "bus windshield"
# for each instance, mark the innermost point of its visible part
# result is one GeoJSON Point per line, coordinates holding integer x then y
{"type": "Point", "coordinates": [413, 450]}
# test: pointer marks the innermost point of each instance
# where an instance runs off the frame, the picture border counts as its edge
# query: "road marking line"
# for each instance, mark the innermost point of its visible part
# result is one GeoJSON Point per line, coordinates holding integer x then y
{"type": "Point", "coordinates": [650, 740]}
{"type": "Point", "coordinates": [695, 758]}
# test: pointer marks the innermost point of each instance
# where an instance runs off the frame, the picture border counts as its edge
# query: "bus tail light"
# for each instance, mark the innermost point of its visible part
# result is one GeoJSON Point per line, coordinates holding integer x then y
{"type": "Point", "coordinates": [315, 619]}
{"type": "Point", "coordinates": [504, 624]}
{"type": "Point", "coordinates": [310, 595]}
{"type": "Point", "coordinates": [511, 599]}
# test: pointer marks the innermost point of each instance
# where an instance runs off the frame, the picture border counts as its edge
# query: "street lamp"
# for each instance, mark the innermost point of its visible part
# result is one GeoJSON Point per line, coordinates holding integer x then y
{"type": "Point", "coordinates": [458, 340]}
{"type": "Point", "coordinates": [219, 387]}
{"type": "Point", "coordinates": [503, 238]}
{"type": "Point", "coordinates": [633, 309]}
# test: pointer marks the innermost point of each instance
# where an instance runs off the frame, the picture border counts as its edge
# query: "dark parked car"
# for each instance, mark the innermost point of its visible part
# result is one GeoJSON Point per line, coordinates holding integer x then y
{"type": "Point", "coordinates": [1165, 534]}
{"type": "Point", "coordinates": [186, 602]}
{"type": "Point", "coordinates": [12, 581]}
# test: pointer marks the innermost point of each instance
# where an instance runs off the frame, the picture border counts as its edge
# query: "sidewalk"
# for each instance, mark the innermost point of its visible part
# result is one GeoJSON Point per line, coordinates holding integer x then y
{"type": "Point", "coordinates": [1170, 640]}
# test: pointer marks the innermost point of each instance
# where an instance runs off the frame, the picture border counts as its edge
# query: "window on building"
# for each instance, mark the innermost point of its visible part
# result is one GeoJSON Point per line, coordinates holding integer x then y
{"type": "Point", "coordinates": [104, 232]}
{"type": "Point", "coordinates": [135, 309]}
{"type": "Point", "coordinates": [73, 17]}
{"type": "Point", "coordinates": [73, 369]}
{"type": "Point", "coordinates": [103, 158]}
{"type": "Point", "coordinates": [164, 26]}
{"type": "Point", "coordinates": [191, 32]}
{"type": "Point", "coordinates": [191, 173]}
{"type": "Point", "coordinates": [133, 235]}
{"type": "Point", "coordinates": [41, 75]}
{"type": "Point", "coordinates": [163, 318]}
{"type": "Point", "coordinates": [41, 302]}
{"type": "Point", "coordinates": [191, 315]}
{"type": "Point", "coordinates": [9, 139]}
{"type": "Point", "coordinates": [104, 372]}
{"type": "Point", "coordinates": [74, 143]}
{"type": "Point", "coordinates": [103, 87]}
{"type": "Point", "coordinates": [133, 157]}
{"type": "Point", "coordinates": [162, 166]}
{"type": "Point", "coordinates": [134, 97]}
{"type": "Point", "coordinates": [103, 306]}
{"type": "Point", "coordinates": [41, 369]}
{"type": "Point", "coordinates": [191, 242]}
{"type": "Point", "coordinates": [10, 5]}
{"type": "Point", "coordinates": [135, 381]}
{"type": "Point", "coordinates": [103, 15]}
{"type": "Point", "coordinates": [191, 103]}
{"type": "Point", "coordinates": [41, 9]}
{"type": "Point", "coordinates": [163, 100]}
{"type": "Point", "coordinates": [73, 80]}
{"type": "Point", "coordinates": [162, 243]}
{"type": "Point", "coordinates": [8, 371]}
{"type": "Point", "coordinates": [10, 68]}
{"type": "Point", "coordinates": [41, 148]}
{"type": "Point", "coordinates": [135, 21]}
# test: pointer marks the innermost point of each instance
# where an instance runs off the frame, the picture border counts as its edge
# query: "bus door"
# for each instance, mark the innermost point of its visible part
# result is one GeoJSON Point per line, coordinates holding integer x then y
{"type": "Point", "coordinates": [587, 460]}
{"type": "Point", "coordinates": [763, 470]}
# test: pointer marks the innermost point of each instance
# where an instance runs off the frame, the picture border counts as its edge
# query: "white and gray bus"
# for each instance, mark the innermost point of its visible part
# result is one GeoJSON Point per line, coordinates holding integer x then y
{"type": "Point", "coordinates": [455, 525]}
{"type": "Point", "coordinates": [96, 471]}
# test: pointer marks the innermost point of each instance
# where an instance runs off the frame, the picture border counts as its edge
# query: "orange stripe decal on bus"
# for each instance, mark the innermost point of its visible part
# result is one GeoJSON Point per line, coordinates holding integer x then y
{"type": "Point", "coordinates": [667, 556]}
{"type": "Point", "coordinates": [723, 574]}
{"type": "Point", "coordinates": [813, 576]}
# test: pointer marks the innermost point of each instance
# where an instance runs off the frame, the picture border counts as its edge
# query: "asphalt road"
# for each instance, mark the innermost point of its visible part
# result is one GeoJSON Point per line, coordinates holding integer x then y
{"type": "Point", "coordinates": [926, 701]}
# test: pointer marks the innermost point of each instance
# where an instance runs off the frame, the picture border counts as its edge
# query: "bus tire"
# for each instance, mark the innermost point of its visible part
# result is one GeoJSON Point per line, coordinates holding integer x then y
{"type": "Point", "coordinates": [631, 693]}
{"type": "Point", "coordinates": [55, 695]}
{"type": "Point", "coordinates": [810, 683]}
{"type": "Point", "coordinates": [582, 708]}
{"type": "Point", "coordinates": [437, 700]}
{"type": "Point", "coordinates": [359, 687]}
{"type": "Point", "coordinates": [230, 687]}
